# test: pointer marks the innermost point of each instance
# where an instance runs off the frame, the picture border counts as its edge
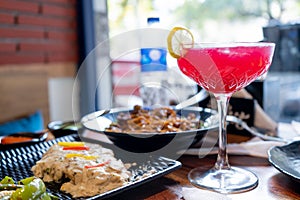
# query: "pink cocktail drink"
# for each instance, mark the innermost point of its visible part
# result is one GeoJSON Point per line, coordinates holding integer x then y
{"type": "Point", "coordinates": [226, 69]}
{"type": "Point", "coordinates": [223, 69]}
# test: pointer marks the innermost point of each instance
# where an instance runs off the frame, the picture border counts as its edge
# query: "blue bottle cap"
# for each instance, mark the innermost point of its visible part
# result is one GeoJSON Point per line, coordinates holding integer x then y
{"type": "Point", "coordinates": [151, 20]}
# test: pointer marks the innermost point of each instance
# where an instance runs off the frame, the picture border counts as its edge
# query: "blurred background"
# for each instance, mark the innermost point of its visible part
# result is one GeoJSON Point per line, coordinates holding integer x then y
{"type": "Point", "coordinates": [218, 21]}
{"type": "Point", "coordinates": [45, 43]}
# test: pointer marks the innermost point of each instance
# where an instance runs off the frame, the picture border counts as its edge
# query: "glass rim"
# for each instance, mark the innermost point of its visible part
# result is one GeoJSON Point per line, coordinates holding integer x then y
{"type": "Point", "coordinates": [227, 44]}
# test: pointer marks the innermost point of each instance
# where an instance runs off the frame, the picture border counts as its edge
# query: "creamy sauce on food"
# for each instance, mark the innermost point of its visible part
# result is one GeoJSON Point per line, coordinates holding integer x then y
{"type": "Point", "coordinates": [90, 172]}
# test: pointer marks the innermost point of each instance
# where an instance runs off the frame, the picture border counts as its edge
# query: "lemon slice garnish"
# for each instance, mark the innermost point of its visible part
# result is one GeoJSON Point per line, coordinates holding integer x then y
{"type": "Point", "coordinates": [177, 37]}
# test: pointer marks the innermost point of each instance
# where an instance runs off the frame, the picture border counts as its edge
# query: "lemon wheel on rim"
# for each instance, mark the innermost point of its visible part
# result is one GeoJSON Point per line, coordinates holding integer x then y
{"type": "Point", "coordinates": [177, 37]}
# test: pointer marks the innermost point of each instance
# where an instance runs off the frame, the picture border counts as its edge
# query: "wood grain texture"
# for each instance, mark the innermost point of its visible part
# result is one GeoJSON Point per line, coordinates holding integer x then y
{"type": "Point", "coordinates": [273, 185]}
{"type": "Point", "coordinates": [23, 93]}
{"type": "Point", "coordinates": [24, 88]}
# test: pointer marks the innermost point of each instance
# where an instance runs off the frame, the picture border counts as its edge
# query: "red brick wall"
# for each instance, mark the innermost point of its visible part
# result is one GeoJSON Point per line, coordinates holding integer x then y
{"type": "Point", "coordinates": [38, 31]}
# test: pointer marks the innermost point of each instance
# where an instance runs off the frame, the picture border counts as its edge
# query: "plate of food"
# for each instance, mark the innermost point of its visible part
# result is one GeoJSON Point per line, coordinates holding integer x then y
{"type": "Point", "coordinates": [286, 159]}
{"type": "Point", "coordinates": [72, 169]}
{"type": "Point", "coordinates": [22, 139]}
{"type": "Point", "coordinates": [141, 130]}
{"type": "Point", "coordinates": [63, 128]}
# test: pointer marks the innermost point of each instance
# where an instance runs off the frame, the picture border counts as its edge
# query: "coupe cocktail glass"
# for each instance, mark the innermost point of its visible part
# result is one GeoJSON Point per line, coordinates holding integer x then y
{"type": "Point", "coordinates": [223, 69]}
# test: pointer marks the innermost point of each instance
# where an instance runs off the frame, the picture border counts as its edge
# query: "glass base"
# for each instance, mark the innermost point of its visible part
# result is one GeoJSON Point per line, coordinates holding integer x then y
{"type": "Point", "coordinates": [233, 180]}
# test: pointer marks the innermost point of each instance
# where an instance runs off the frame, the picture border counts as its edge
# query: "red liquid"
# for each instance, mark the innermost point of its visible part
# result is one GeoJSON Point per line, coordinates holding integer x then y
{"type": "Point", "coordinates": [226, 69]}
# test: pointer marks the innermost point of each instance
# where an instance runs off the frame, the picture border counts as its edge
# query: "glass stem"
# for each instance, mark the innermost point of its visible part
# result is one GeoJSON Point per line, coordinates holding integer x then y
{"type": "Point", "coordinates": [222, 102]}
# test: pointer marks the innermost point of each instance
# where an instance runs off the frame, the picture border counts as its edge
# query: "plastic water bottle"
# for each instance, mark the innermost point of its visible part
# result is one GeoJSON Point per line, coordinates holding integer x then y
{"type": "Point", "coordinates": [153, 76]}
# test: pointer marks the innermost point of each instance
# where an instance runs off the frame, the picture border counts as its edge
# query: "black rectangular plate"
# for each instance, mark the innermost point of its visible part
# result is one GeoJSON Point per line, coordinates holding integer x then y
{"type": "Point", "coordinates": [17, 164]}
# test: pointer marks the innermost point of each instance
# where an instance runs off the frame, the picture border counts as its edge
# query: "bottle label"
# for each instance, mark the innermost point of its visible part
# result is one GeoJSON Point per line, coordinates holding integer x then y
{"type": "Point", "coordinates": [153, 59]}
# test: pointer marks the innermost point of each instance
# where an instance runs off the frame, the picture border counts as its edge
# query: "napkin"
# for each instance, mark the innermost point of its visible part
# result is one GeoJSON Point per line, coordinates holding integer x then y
{"type": "Point", "coordinates": [296, 126]}
{"type": "Point", "coordinates": [196, 194]}
{"type": "Point", "coordinates": [254, 147]}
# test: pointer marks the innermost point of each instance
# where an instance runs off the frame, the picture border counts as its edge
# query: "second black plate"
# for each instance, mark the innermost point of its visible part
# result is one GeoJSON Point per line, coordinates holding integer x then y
{"type": "Point", "coordinates": [287, 159]}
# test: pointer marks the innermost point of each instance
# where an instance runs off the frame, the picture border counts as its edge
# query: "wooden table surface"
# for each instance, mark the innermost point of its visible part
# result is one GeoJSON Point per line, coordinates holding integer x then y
{"type": "Point", "coordinates": [272, 183]}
